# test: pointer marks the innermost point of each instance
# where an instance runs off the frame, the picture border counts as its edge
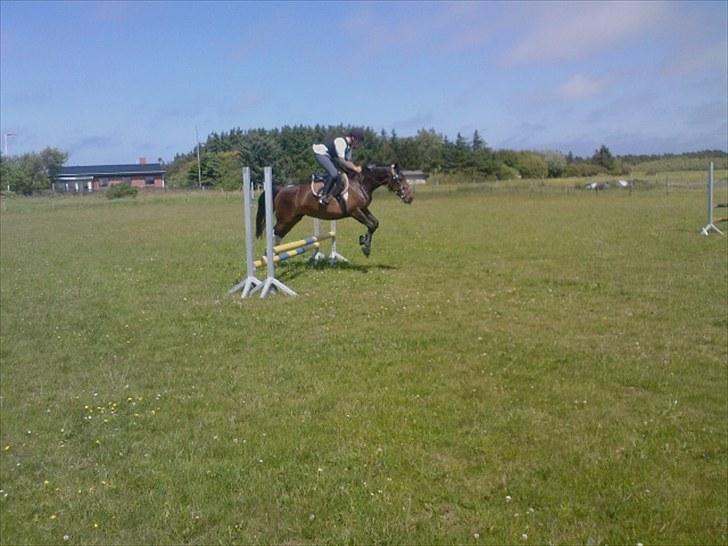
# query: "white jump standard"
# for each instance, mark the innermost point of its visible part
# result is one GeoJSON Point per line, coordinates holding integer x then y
{"type": "Point", "coordinates": [250, 284]}
{"type": "Point", "coordinates": [710, 225]}
{"type": "Point", "coordinates": [271, 283]}
{"type": "Point", "coordinates": [333, 256]}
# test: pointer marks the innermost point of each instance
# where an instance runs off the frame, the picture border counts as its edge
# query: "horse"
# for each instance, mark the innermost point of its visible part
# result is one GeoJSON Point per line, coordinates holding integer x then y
{"type": "Point", "coordinates": [293, 202]}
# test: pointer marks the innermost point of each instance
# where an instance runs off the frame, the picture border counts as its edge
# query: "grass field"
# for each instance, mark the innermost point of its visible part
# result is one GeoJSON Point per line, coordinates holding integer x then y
{"type": "Point", "coordinates": [506, 368]}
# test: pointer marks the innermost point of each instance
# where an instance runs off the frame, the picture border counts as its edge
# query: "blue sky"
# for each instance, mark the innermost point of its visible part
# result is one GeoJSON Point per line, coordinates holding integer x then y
{"type": "Point", "coordinates": [109, 82]}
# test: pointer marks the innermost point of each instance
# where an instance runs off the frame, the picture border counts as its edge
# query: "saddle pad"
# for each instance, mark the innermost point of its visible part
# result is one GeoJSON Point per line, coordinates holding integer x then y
{"type": "Point", "coordinates": [317, 186]}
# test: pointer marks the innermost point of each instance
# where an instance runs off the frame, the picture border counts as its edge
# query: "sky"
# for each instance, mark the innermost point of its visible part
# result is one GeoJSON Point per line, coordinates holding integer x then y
{"type": "Point", "coordinates": [111, 82]}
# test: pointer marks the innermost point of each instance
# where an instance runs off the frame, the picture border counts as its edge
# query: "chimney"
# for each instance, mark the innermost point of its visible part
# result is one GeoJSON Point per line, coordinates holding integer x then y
{"type": "Point", "coordinates": [142, 161]}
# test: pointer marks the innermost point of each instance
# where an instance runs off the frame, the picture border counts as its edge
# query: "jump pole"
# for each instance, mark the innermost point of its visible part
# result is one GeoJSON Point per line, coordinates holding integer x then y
{"type": "Point", "coordinates": [308, 241]}
{"type": "Point", "coordinates": [297, 248]}
{"type": "Point", "coordinates": [250, 284]}
{"type": "Point", "coordinates": [711, 225]}
{"type": "Point", "coordinates": [271, 284]}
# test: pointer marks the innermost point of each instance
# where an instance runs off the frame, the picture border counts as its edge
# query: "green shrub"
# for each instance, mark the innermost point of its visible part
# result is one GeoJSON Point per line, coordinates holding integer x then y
{"type": "Point", "coordinates": [506, 172]}
{"type": "Point", "coordinates": [117, 191]}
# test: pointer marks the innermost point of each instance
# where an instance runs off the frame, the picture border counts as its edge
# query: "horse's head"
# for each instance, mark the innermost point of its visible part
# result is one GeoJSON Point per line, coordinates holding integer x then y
{"type": "Point", "coordinates": [392, 176]}
{"type": "Point", "coordinates": [399, 185]}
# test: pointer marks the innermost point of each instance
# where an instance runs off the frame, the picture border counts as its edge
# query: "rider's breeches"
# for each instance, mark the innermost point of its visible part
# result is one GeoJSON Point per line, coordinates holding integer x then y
{"type": "Point", "coordinates": [326, 163]}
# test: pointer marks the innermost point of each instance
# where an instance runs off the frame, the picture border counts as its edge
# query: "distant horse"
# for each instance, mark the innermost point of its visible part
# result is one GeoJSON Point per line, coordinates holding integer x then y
{"type": "Point", "coordinates": [293, 202]}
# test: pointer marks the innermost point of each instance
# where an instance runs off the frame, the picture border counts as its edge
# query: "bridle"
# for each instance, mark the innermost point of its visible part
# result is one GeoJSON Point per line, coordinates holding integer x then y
{"type": "Point", "coordinates": [395, 181]}
{"type": "Point", "coordinates": [398, 183]}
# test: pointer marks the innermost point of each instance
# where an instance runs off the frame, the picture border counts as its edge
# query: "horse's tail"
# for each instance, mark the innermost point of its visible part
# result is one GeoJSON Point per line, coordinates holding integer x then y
{"type": "Point", "coordinates": [260, 215]}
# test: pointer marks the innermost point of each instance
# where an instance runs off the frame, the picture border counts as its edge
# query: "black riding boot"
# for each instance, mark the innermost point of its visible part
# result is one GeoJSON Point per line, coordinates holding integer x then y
{"type": "Point", "coordinates": [326, 192]}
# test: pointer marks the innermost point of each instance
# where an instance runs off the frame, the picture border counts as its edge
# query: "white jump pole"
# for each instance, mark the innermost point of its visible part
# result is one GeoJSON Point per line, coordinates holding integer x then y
{"type": "Point", "coordinates": [706, 230]}
{"type": "Point", "coordinates": [250, 284]}
{"type": "Point", "coordinates": [271, 284]}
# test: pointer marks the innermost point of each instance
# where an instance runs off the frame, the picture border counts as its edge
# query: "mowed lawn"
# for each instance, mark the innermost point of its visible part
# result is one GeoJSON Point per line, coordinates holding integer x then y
{"type": "Point", "coordinates": [506, 368]}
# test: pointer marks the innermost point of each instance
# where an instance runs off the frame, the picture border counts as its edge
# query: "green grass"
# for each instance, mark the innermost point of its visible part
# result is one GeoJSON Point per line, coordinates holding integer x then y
{"type": "Point", "coordinates": [507, 367]}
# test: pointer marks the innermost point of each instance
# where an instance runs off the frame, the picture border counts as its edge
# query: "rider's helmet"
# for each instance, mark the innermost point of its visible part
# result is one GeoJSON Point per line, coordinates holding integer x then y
{"type": "Point", "coordinates": [357, 133]}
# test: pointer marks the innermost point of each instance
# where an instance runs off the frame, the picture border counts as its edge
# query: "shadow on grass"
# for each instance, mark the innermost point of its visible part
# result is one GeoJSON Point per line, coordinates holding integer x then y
{"type": "Point", "coordinates": [294, 269]}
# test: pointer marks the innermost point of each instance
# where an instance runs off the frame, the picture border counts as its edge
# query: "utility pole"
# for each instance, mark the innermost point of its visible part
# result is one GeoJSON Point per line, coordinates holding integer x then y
{"type": "Point", "coordinates": [5, 139]}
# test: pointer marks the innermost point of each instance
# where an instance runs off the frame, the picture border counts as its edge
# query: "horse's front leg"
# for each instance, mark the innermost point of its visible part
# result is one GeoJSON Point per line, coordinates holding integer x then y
{"type": "Point", "coordinates": [367, 218]}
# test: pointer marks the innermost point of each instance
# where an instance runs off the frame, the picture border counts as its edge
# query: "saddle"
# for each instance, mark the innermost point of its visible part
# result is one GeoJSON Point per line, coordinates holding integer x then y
{"type": "Point", "coordinates": [318, 181]}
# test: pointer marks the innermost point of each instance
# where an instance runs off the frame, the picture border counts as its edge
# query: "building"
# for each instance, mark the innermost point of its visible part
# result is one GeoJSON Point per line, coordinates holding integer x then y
{"type": "Point", "coordinates": [93, 178]}
{"type": "Point", "coordinates": [415, 177]}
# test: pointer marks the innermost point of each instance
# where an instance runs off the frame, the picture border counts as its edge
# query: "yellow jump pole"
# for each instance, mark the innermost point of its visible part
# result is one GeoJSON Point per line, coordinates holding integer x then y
{"type": "Point", "coordinates": [283, 256]}
{"type": "Point", "coordinates": [302, 242]}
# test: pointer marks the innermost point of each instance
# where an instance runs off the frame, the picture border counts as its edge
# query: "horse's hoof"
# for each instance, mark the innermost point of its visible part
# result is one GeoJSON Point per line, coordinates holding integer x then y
{"type": "Point", "coordinates": [366, 250]}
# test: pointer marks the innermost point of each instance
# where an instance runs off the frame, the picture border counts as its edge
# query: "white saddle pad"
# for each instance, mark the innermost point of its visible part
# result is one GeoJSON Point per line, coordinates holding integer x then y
{"type": "Point", "coordinates": [316, 188]}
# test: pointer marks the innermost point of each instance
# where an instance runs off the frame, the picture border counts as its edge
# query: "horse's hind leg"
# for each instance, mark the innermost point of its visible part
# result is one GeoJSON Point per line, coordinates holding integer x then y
{"type": "Point", "coordinates": [283, 226]}
{"type": "Point", "coordinates": [287, 213]}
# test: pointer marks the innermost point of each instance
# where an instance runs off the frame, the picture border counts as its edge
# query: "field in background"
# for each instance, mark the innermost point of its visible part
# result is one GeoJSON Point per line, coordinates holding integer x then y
{"type": "Point", "coordinates": [640, 180]}
{"type": "Point", "coordinates": [512, 365]}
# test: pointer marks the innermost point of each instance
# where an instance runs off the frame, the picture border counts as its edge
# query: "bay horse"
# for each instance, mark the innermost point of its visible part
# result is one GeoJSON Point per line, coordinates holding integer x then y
{"type": "Point", "coordinates": [293, 202]}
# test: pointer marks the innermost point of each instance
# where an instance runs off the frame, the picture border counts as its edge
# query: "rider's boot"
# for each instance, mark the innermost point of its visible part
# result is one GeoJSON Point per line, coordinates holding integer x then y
{"type": "Point", "coordinates": [326, 192]}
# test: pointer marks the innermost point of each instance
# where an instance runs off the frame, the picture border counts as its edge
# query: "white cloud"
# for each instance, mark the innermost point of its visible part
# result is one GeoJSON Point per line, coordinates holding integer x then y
{"type": "Point", "coordinates": [581, 86]}
{"type": "Point", "coordinates": [691, 59]}
{"type": "Point", "coordinates": [424, 28]}
{"type": "Point", "coordinates": [574, 30]}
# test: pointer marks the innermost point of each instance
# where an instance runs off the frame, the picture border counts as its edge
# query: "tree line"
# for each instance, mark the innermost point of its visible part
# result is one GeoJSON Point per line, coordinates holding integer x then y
{"type": "Point", "coordinates": [288, 151]}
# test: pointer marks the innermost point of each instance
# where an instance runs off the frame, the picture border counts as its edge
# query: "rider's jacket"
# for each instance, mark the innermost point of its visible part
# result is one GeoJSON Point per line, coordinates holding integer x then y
{"type": "Point", "coordinates": [334, 148]}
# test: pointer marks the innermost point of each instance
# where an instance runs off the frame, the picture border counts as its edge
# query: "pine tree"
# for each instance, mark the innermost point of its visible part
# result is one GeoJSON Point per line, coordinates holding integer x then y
{"type": "Point", "coordinates": [603, 157]}
{"type": "Point", "coordinates": [478, 143]}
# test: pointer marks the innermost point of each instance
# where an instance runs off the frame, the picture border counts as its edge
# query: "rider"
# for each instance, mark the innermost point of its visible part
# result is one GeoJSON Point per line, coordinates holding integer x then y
{"type": "Point", "coordinates": [333, 153]}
